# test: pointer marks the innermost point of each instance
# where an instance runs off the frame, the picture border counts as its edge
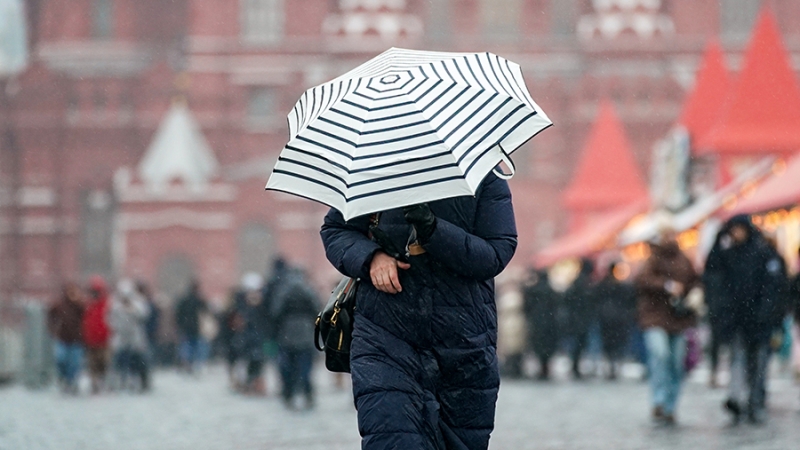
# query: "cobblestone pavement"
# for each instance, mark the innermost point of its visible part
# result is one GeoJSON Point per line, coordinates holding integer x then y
{"type": "Point", "coordinates": [201, 413]}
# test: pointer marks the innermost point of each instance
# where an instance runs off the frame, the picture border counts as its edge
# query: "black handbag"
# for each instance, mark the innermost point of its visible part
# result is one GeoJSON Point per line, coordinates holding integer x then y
{"type": "Point", "coordinates": [334, 326]}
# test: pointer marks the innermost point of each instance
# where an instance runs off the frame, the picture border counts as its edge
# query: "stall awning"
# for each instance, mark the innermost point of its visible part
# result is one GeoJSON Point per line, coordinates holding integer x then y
{"type": "Point", "coordinates": [779, 190]}
{"type": "Point", "coordinates": [593, 237]}
{"type": "Point", "coordinates": [699, 211]}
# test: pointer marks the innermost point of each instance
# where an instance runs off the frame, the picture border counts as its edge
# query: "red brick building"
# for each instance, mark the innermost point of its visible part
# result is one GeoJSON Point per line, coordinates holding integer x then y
{"type": "Point", "coordinates": [81, 121]}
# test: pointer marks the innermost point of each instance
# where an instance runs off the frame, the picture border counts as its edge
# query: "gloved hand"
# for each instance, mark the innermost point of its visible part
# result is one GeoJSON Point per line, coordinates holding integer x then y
{"type": "Point", "coordinates": [421, 216]}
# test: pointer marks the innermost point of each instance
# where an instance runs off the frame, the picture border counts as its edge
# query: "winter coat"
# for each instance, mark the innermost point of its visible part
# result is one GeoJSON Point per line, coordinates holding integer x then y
{"type": "Point", "coordinates": [187, 314]}
{"type": "Point", "coordinates": [95, 325]}
{"type": "Point", "coordinates": [746, 284]}
{"type": "Point", "coordinates": [666, 262]}
{"type": "Point", "coordinates": [579, 302]}
{"type": "Point", "coordinates": [65, 321]}
{"type": "Point", "coordinates": [541, 305]}
{"type": "Point", "coordinates": [251, 339]}
{"type": "Point", "coordinates": [127, 322]}
{"type": "Point", "coordinates": [794, 297]}
{"type": "Point", "coordinates": [616, 302]}
{"type": "Point", "coordinates": [294, 308]}
{"type": "Point", "coordinates": [423, 361]}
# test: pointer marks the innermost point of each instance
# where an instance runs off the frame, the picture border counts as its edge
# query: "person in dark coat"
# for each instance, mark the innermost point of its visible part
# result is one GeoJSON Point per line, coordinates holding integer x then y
{"type": "Point", "coordinates": [254, 334]}
{"type": "Point", "coordinates": [294, 308]}
{"type": "Point", "coordinates": [64, 321]}
{"type": "Point", "coordinates": [153, 320]}
{"type": "Point", "coordinates": [617, 312]}
{"type": "Point", "coordinates": [667, 275]}
{"type": "Point", "coordinates": [230, 336]}
{"type": "Point", "coordinates": [579, 301]}
{"type": "Point", "coordinates": [424, 353]}
{"type": "Point", "coordinates": [187, 318]}
{"type": "Point", "coordinates": [541, 304]}
{"type": "Point", "coordinates": [748, 293]}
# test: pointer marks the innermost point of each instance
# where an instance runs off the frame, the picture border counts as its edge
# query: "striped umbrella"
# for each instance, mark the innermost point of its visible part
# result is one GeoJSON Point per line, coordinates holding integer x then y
{"type": "Point", "coordinates": [406, 127]}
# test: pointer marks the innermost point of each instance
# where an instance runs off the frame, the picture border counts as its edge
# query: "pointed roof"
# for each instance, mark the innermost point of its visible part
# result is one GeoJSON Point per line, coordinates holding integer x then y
{"type": "Point", "coordinates": [178, 151]}
{"type": "Point", "coordinates": [763, 112]}
{"type": "Point", "coordinates": [705, 103]}
{"type": "Point", "coordinates": [607, 175]}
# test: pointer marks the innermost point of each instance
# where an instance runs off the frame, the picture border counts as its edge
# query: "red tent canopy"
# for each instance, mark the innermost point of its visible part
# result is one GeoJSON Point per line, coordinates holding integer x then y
{"type": "Point", "coordinates": [763, 113]}
{"type": "Point", "coordinates": [607, 175]}
{"type": "Point", "coordinates": [711, 90]}
{"type": "Point", "coordinates": [593, 237]}
{"type": "Point", "coordinates": [781, 189]}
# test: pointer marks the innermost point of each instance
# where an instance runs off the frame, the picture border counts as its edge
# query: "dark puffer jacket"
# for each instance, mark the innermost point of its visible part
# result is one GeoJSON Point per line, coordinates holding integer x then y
{"type": "Point", "coordinates": [424, 361]}
{"type": "Point", "coordinates": [746, 285]}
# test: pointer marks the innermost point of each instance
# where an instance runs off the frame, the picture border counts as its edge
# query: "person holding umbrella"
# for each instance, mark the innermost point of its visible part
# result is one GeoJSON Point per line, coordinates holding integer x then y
{"type": "Point", "coordinates": [423, 357]}
{"type": "Point", "coordinates": [407, 145]}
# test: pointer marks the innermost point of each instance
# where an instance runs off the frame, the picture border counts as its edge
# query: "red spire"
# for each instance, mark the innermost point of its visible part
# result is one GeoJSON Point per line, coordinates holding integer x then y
{"type": "Point", "coordinates": [711, 89]}
{"type": "Point", "coordinates": [763, 113]}
{"type": "Point", "coordinates": [607, 175]}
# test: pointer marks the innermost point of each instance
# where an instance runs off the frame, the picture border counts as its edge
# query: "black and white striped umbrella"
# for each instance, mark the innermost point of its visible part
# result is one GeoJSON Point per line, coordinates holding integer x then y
{"type": "Point", "coordinates": [406, 127]}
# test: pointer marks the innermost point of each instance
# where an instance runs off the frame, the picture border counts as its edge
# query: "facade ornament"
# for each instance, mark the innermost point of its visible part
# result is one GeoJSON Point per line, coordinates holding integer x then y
{"type": "Point", "coordinates": [613, 18]}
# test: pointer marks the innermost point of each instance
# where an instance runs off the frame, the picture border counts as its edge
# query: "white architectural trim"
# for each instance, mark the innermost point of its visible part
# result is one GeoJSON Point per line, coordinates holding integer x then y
{"type": "Point", "coordinates": [34, 225]}
{"type": "Point", "coordinates": [175, 217]}
{"type": "Point", "coordinates": [95, 58]}
{"type": "Point", "coordinates": [36, 196]}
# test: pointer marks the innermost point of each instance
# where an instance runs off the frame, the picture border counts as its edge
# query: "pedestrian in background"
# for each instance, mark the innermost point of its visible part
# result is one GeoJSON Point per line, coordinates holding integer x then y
{"type": "Point", "coordinates": [616, 303]}
{"type": "Point", "coordinates": [294, 308]}
{"type": "Point", "coordinates": [153, 321]}
{"type": "Point", "coordinates": [752, 295]}
{"type": "Point", "coordinates": [64, 321]}
{"type": "Point", "coordinates": [167, 332]}
{"type": "Point", "coordinates": [192, 348]}
{"type": "Point", "coordinates": [666, 277]}
{"type": "Point", "coordinates": [581, 309]}
{"type": "Point", "coordinates": [794, 299]}
{"type": "Point", "coordinates": [280, 267]}
{"type": "Point", "coordinates": [127, 319]}
{"type": "Point", "coordinates": [230, 337]}
{"type": "Point", "coordinates": [254, 333]}
{"type": "Point", "coordinates": [96, 333]}
{"type": "Point", "coordinates": [541, 303]}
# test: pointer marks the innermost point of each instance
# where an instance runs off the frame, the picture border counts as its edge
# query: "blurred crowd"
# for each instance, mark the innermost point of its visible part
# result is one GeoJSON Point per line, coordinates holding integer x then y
{"type": "Point", "coordinates": [663, 313]}
{"type": "Point", "coordinates": [119, 335]}
{"type": "Point", "coordinates": [666, 314]}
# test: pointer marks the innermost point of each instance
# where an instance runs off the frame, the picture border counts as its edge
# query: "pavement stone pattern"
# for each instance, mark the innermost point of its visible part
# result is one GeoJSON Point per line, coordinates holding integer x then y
{"type": "Point", "coordinates": [198, 413]}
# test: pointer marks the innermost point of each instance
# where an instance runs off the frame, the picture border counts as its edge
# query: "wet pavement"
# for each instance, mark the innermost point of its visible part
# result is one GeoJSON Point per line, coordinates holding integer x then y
{"type": "Point", "coordinates": [186, 412]}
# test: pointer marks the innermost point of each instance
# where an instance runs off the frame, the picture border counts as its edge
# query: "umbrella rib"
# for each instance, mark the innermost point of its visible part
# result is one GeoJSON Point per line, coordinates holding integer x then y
{"type": "Point", "coordinates": [494, 72]}
{"type": "Point", "coordinates": [492, 130]}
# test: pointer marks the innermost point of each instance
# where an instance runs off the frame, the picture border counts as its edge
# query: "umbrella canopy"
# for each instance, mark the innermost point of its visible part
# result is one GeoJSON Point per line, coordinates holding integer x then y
{"type": "Point", "coordinates": [406, 127]}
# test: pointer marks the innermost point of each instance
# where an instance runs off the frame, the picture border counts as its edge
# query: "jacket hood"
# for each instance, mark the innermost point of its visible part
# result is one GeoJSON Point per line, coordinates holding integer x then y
{"type": "Point", "coordinates": [740, 220]}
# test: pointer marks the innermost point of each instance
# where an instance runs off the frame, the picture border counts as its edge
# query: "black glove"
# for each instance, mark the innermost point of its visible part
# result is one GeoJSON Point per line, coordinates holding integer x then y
{"type": "Point", "coordinates": [422, 218]}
